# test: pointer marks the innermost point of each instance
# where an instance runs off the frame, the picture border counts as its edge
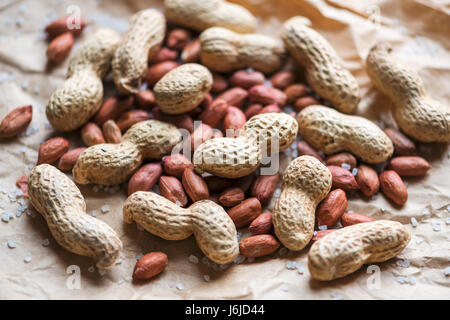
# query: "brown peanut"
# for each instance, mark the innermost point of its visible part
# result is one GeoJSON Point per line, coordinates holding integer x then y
{"type": "Point", "coordinates": [145, 178]}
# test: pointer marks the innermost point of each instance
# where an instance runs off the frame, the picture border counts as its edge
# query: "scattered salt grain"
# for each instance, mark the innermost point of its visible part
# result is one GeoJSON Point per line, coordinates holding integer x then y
{"type": "Point", "coordinates": [5, 217]}
{"type": "Point", "coordinates": [171, 284]}
{"type": "Point", "coordinates": [291, 265]}
{"type": "Point", "coordinates": [250, 70]}
{"type": "Point", "coordinates": [240, 258]}
{"type": "Point", "coordinates": [324, 227]}
{"type": "Point", "coordinates": [447, 271]}
{"type": "Point", "coordinates": [447, 221]}
{"type": "Point", "coordinates": [105, 208]}
{"type": "Point", "coordinates": [23, 149]}
{"type": "Point", "coordinates": [140, 255]}
{"type": "Point", "coordinates": [406, 183]}
{"type": "Point", "coordinates": [346, 166]}
{"type": "Point", "coordinates": [25, 85]}
{"type": "Point", "coordinates": [403, 263]}
{"type": "Point", "coordinates": [22, 8]}
{"type": "Point", "coordinates": [120, 282]}
{"type": "Point", "coordinates": [414, 222]}
{"type": "Point", "coordinates": [300, 269]}
{"type": "Point", "coordinates": [336, 296]}
{"type": "Point", "coordinates": [11, 244]}
{"type": "Point", "coordinates": [27, 258]}
{"type": "Point", "coordinates": [206, 277]}
{"type": "Point", "coordinates": [36, 90]}
{"type": "Point", "coordinates": [284, 288]}
{"type": "Point", "coordinates": [383, 209]}
{"type": "Point", "coordinates": [91, 269]}
{"type": "Point", "coordinates": [448, 208]}
{"type": "Point", "coordinates": [267, 83]}
{"type": "Point", "coordinates": [19, 21]}
{"type": "Point", "coordinates": [226, 265]}
{"type": "Point", "coordinates": [102, 272]}
{"type": "Point", "coordinates": [205, 260]}
{"type": "Point", "coordinates": [179, 286]}
{"type": "Point", "coordinates": [403, 280]}
{"type": "Point", "coordinates": [355, 171]}
{"type": "Point", "coordinates": [178, 203]}
{"type": "Point", "coordinates": [436, 226]}
{"type": "Point", "coordinates": [46, 242]}
{"type": "Point", "coordinates": [193, 259]}
{"type": "Point", "coordinates": [426, 211]}
{"type": "Point", "coordinates": [419, 240]}
{"type": "Point", "coordinates": [119, 261]}
{"type": "Point", "coordinates": [277, 193]}
{"type": "Point", "coordinates": [94, 213]}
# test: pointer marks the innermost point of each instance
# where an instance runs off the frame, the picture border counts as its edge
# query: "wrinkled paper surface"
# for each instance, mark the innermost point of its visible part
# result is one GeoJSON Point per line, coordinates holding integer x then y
{"type": "Point", "coordinates": [418, 30]}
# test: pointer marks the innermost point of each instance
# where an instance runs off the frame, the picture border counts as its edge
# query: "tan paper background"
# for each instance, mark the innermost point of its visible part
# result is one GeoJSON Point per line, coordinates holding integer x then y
{"type": "Point", "coordinates": [418, 30]}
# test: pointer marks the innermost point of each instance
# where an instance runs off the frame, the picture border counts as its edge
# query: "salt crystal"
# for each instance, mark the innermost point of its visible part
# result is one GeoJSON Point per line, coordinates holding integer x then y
{"type": "Point", "coordinates": [414, 222]}
{"type": "Point", "coordinates": [403, 263]}
{"type": "Point", "coordinates": [27, 258]}
{"type": "Point", "coordinates": [412, 280]}
{"type": "Point", "coordinates": [284, 288]}
{"type": "Point", "coordinates": [426, 211]}
{"type": "Point", "coordinates": [91, 269]}
{"type": "Point", "coordinates": [448, 208]}
{"type": "Point", "coordinates": [105, 208]}
{"type": "Point", "coordinates": [178, 203]}
{"type": "Point", "coordinates": [300, 269]}
{"type": "Point", "coordinates": [355, 171]}
{"type": "Point", "coordinates": [119, 282]}
{"type": "Point", "coordinates": [171, 284]}
{"type": "Point", "coordinates": [205, 260]}
{"type": "Point", "coordinates": [240, 258]}
{"type": "Point", "coordinates": [5, 217]}
{"type": "Point", "coordinates": [324, 227]}
{"type": "Point", "coordinates": [419, 240]}
{"type": "Point", "coordinates": [406, 183]}
{"type": "Point", "coordinates": [46, 242]}
{"type": "Point", "coordinates": [277, 193]}
{"type": "Point", "coordinates": [94, 213]}
{"type": "Point", "coordinates": [22, 8]}
{"type": "Point", "coordinates": [206, 277]}
{"type": "Point", "coordinates": [383, 209]}
{"type": "Point", "coordinates": [23, 149]}
{"type": "Point", "coordinates": [447, 221]}
{"type": "Point", "coordinates": [180, 286]}
{"type": "Point", "coordinates": [436, 226]}
{"type": "Point", "coordinates": [11, 244]}
{"type": "Point", "coordinates": [400, 280]}
{"type": "Point", "coordinates": [346, 166]}
{"type": "Point", "coordinates": [140, 255]}
{"type": "Point", "coordinates": [36, 90]}
{"type": "Point", "coordinates": [25, 85]}
{"type": "Point", "coordinates": [193, 259]}
{"type": "Point", "coordinates": [290, 265]}
{"type": "Point", "coordinates": [102, 272]}
{"type": "Point", "coordinates": [336, 296]}
{"type": "Point", "coordinates": [447, 271]}
{"type": "Point", "coordinates": [19, 21]}
{"type": "Point", "coordinates": [250, 70]}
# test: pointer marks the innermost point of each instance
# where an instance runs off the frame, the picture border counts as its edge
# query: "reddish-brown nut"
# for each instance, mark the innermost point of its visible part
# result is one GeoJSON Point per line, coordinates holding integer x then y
{"type": "Point", "coordinates": [68, 160]}
{"type": "Point", "coordinates": [145, 99]}
{"type": "Point", "coordinates": [235, 96]}
{"type": "Point", "coordinates": [258, 246]}
{"type": "Point", "coordinates": [267, 95]}
{"type": "Point", "coordinates": [214, 198]}
{"type": "Point", "coordinates": [22, 184]}
{"type": "Point", "coordinates": [304, 149]}
{"type": "Point", "coordinates": [59, 48]}
{"type": "Point", "coordinates": [112, 108]}
{"type": "Point", "coordinates": [217, 184]}
{"type": "Point", "coordinates": [150, 265]}
{"type": "Point", "coordinates": [164, 54]}
{"type": "Point", "coordinates": [195, 186]}
{"type": "Point", "coordinates": [132, 117]}
{"type": "Point", "coordinates": [234, 120]}
{"type": "Point", "coordinates": [367, 179]}
{"type": "Point", "coordinates": [393, 187]}
{"type": "Point", "coordinates": [342, 178]}
{"type": "Point", "coordinates": [295, 91]}
{"type": "Point", "coordinates": [157, 71]}
{"type": "Point", "coordinates": [409, 166]}
{"type": "Point", "coordinates": [349, 219]}
{"type": "Point", "coordinates": [246, 79]}
{"type": "Point", "coordinates": [262, 224]}
{"type": "Point", "coordinates": [214, 113]}
{"type": "Point", "coordinates": [331, 208]}
{"type": "Point", "coordinates": [244, 182]}
{"type": "Point", "coordinates": [403, 146]}
{"type": "Point", "coordinates": [175, 165]}
{"type": "Point", "coordinates": [145, 178]}
{"type": "Point", "coordinates": [51, 150]}
{"type": "Point", "coordinates": [65, 24]}
{"type": "Point", "coordinates": [183, 121]}
{"type": "Point", "coordinates": [253, 110]}
{"type": "Point", "coordinates": [303, 102]}
{"type": "Point", "coordinates": [271, 108]}
{"type": "Point", "coordinates": [231, 196]}
{"type": "Point", "coordinates": [91, 134]}
{"type": "Point", "coordinates": [245, 212]}
{"type": "Point", "coordinates": [282, 79]}
{"type": "Point", "coordinates": [16, 121]}
{"type": "Point", "coordinates": [111, 132]}
{"type": "Point", "coordinates": [191, 52]}
{"type": "Point", "coordinates": [220, 83]}
{"type": "Point", "coordinates": [201, 134]}
{"type": "Point", "coordinates": [172, 189]}
{"type": "Point", "coordinates": [178, 38]}
{"type": "Point", "coordinates": [264, 186]}
{"type": "Point", "coordinates": [320, 234]}
{"type": "Point", "coordinates": [339, 159]}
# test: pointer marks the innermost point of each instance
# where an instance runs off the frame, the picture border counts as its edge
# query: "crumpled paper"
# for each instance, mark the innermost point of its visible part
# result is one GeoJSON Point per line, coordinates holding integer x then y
{"type": "Point", "coordinates": [34, 266]}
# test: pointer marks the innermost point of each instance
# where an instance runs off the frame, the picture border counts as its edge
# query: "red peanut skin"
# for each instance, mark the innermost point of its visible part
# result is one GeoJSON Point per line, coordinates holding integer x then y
{"type": "Point", "coordinates": [194, 185]}
{"type": "Point", "coordinates": [145, 178]}
{"type": "Point", "coordinates": [16, 121]}
{"type": "Point", "coordinates": [241, 217]}
{"type": "Point", "coordinates": [320, 234]}
{"type": "Point", "coordinates": [342, 178]}
{"type": "Point", "coordinates": [264, 186]}
{"type": "Point", "coordinates": [157, 71]}
{"type": "Point", "coordinates": [231, 197]}
{"type": "Point", "coordinates": [262, 224]}
{"type": "Point", "coordinates": [234, 119]}
{"type": "Point", "coordinates": [282, 79]}
{"type": "Point", "coordinates": [51, 150]}
{"type": "Point", "coordinates": [393, 187]}
{"type": "Point", "coordinates": [59, 26]}
{"type": "Point", "coordinates": [150, 265]}
{"type": "Point", "coordinates": [331, 208]}
{"type": "Point", "coordinates": [267, 95]}
{"type": "Point", "coordinates": [295, 91]}
{"type": "Point", "coordinates": [128, 119]}
{"type": "Point", "coordinates": [271, 108]}
{"type": "Point", "coordinates": [112, 108]}
{"type": "Point", "coordinates": [214, 113]}
{"type": "Point", "coordinates": [235, 96]}
{"type": "Point", "coordinates": [349, 219]}
{"type": "Point", "coordinates": [367, 179]}
{"type": "Point", "coordinates": [68, 160]}
{"type": "Point", "coordinates": [175, 164]}
{"type": "Point", "coordinates": [174, 194]}
{"type": "Point", "coordinates": [340, 158]}
{"type": "Point", "coordinates": [304, 149]}
{"type": "Point", "coordinates": [220, 83]}
{"type": "Point", "coordinates": [409, 166]}
{"type": "Point", "coordinates": [246, 80]}
{"type": "Point", "coordinates": [258, 246]}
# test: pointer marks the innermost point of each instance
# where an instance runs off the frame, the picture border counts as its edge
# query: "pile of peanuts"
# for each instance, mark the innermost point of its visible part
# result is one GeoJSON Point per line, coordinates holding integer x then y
{"type": "Point", "coordinates": [247, 94]}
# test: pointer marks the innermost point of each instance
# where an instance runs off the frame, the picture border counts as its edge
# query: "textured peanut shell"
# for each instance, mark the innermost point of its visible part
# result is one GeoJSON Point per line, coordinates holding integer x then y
{"type": "Point", "coordinates": [416, 114]}
{"type": "Point", "coordinates": [345, 250]}
{"type": "Point", "coordinates": [140, 43]}
{"type": "Point", "coordinates": [200, 15]}
{"type": "Point", "coordinates": [330, 131]}
{"type": "Point", "coordinates": [109, 163]}
{"type": "Point", "coordinates": [211, 226]}
{"type": "Point", "coordinates": [323, 67]}
{"type": "Point", "coordinates": [238, 157]}
{"type": "Point", "coordinates": [306, 182]}
{"type": "Point", "coordinates": [183, 88]}
{"type": "Point", "coordinates": [80, 96]}
{"type": "Point", "coordinates": [223, 50]}
{"type": "Point", "coordinates": [61, 204]}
